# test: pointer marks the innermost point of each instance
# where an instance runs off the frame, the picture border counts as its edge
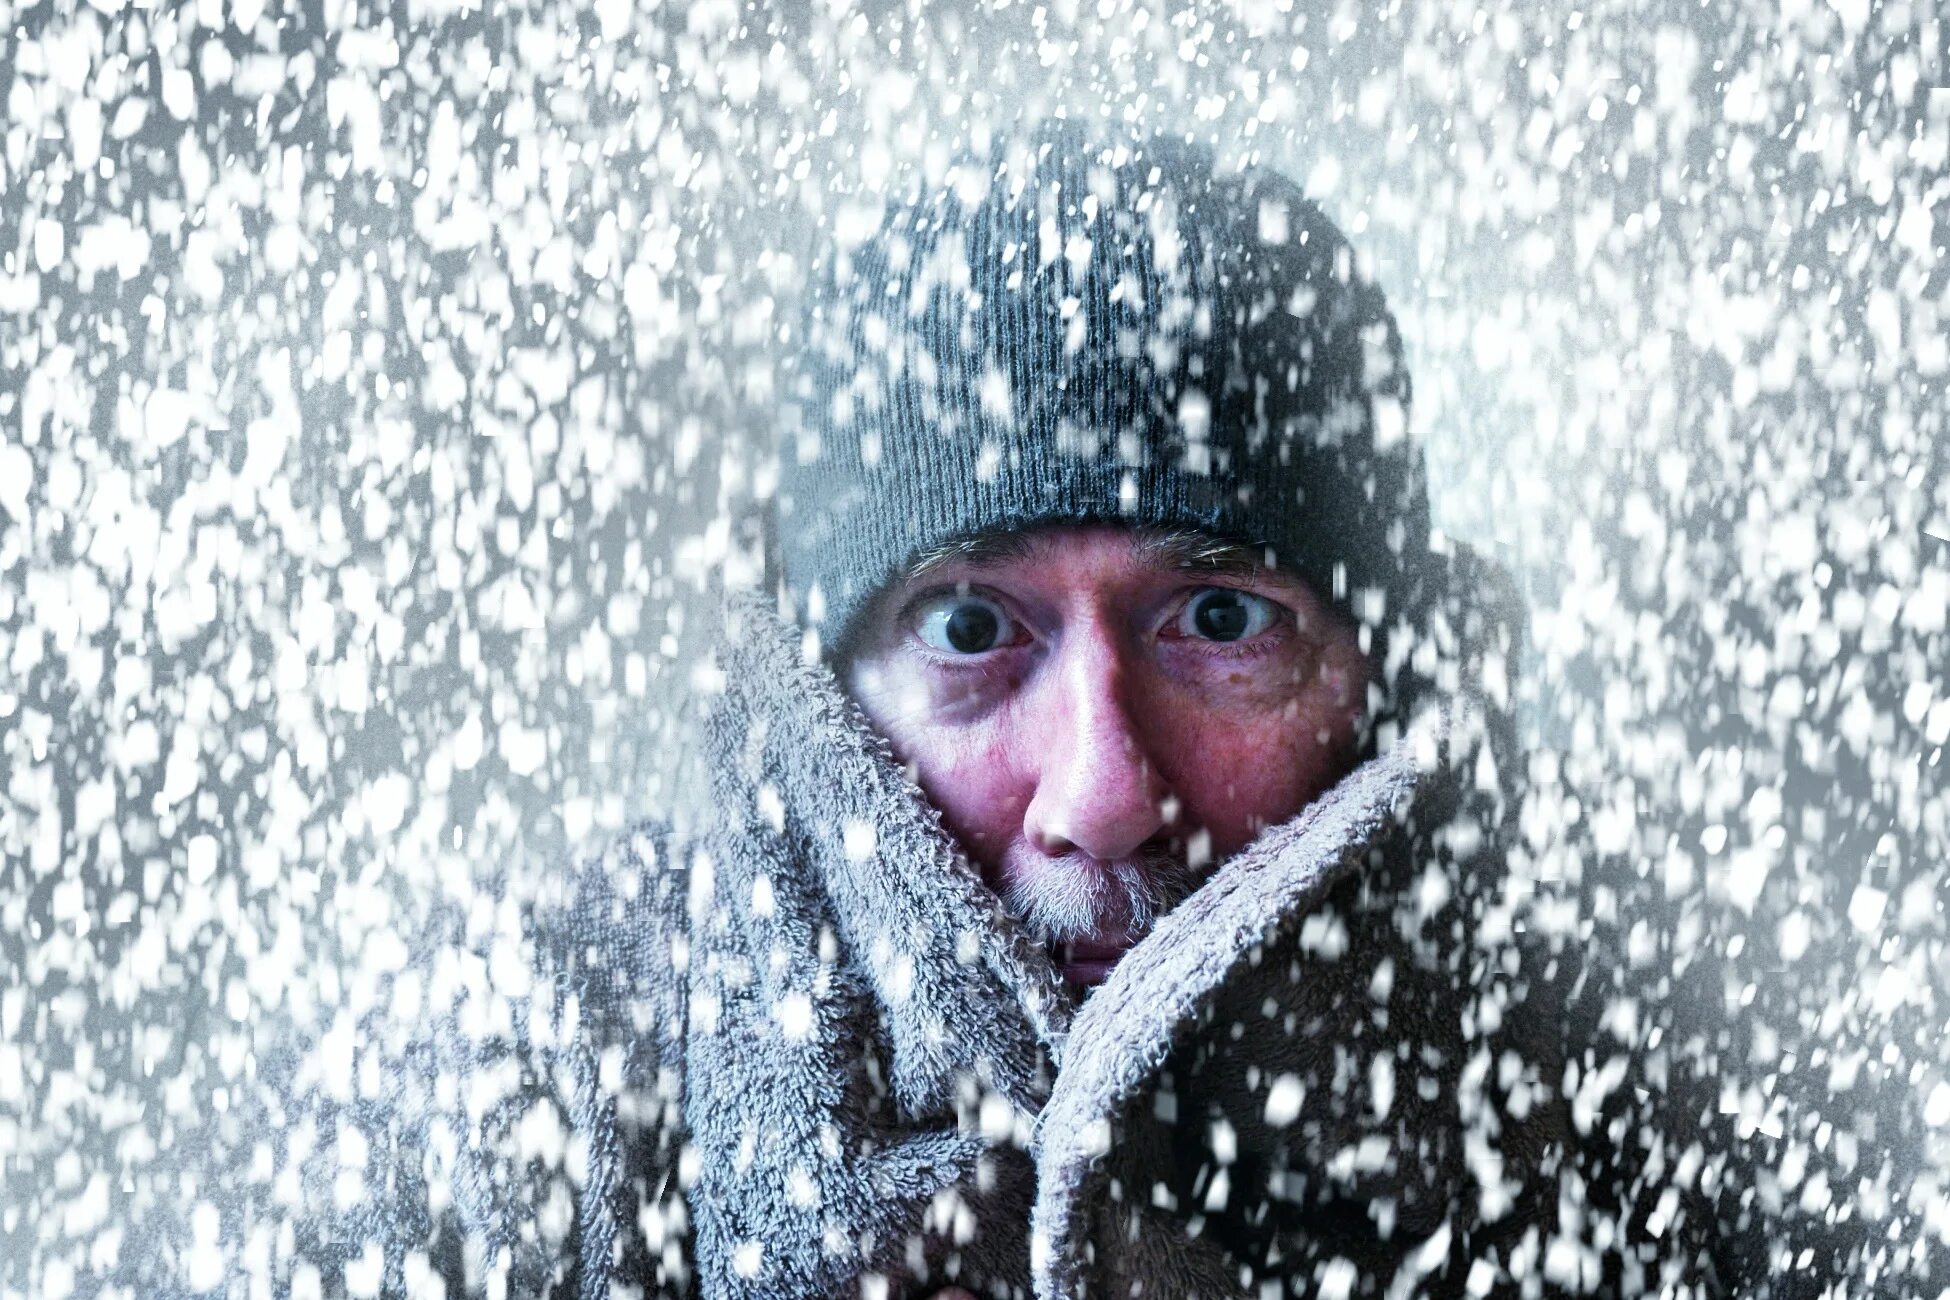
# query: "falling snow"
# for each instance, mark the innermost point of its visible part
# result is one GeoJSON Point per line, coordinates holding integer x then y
{"type": "Point", "coordinates": [385, 395]}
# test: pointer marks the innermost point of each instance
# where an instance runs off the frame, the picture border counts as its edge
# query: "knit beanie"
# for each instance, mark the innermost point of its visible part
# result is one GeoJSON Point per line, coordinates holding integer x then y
{"type": "Point", "coordinates": [1075, 329]}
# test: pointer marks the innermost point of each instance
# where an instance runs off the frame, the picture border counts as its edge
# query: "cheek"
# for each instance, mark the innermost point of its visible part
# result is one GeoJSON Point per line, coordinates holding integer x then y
{"type": "Point", "coordinates": [963, 749]}
{"type": "Point", "coordinates": [1243, 781]}
{"type": "Point", "coordinates": [1252, 768]}
{"type": "Point", "coordinates": [968, 774]}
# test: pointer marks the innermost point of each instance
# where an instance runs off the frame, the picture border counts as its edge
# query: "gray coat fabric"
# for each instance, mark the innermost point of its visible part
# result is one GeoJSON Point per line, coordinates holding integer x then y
{"type": "Point", "coordinates": [799, 1051]}
{"type": "Point", "coordinates": [882, 1087]}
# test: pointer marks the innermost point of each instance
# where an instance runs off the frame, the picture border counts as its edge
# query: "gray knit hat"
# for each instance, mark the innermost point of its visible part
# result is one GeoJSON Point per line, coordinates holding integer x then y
{"type": "Point", "coordinates": [1075, 329]}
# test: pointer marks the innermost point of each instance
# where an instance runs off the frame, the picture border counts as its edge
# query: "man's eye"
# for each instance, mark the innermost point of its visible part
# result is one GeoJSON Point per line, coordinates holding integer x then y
{"type": "Point", "coordinates": [966, 625]}
{"type": "Point", "coordinates": [1223, 614]}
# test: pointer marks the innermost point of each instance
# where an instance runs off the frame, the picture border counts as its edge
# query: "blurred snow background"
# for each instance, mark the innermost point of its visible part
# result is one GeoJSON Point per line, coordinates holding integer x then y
{"type": "Point", "coordinates": [380, 386]}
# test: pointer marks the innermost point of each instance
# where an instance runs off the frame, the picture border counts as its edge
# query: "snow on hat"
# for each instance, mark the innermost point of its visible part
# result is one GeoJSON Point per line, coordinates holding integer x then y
{"type": "Point", "coordinates": [1081, 330]}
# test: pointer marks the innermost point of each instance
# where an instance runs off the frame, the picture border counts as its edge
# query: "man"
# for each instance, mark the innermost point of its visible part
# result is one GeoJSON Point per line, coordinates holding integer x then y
{"type": "Point", "coordinates": [1098, 892]}
{"type": "Point", "coordinates": [1094, 491]}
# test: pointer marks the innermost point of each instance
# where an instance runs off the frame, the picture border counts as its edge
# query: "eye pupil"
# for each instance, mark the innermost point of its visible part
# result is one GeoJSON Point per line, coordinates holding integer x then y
{"type": "Point", "coordinates": [1221, 616]}
{"type": "Point", "coordinates": [972, 628]}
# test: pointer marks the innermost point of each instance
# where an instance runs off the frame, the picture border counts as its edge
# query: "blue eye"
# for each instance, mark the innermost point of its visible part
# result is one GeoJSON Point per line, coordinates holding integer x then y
{"type": "Point", "coordinates": [963, 625]}
{"type": "Point", "coordinates": [1224, 614]}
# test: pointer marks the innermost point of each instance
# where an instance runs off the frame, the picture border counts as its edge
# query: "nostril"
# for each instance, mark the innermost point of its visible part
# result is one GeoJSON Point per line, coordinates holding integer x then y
{"type": "Point", "coordinates": [1049, 841]}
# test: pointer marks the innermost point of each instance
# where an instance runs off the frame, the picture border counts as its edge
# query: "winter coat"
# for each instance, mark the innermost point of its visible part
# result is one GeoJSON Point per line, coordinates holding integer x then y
{"type": "Point", "coordinates": [799, 1051]}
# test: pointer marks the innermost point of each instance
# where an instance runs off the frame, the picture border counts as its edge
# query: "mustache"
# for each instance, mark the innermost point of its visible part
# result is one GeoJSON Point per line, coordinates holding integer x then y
{"type": "Point", "coordinates": [1076, 898]}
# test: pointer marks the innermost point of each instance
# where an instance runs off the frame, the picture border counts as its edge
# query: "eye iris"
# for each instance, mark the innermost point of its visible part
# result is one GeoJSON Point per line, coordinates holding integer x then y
{"type": "Point", "coordinates": [1221, 617]}
{"type": "Point", "coordinates": [972, 628]}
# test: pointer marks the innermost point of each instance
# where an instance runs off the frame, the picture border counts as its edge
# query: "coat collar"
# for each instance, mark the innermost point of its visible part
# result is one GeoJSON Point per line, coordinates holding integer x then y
{"type": "Point", "coordinates": [961, 988]}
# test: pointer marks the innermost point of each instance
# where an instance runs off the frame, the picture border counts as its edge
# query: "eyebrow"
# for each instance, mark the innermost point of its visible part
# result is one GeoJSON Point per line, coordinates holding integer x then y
{"type": "Point", "coordinates": [1191, 551]}
{"type": "Point", "coordinates": [1183, 550]}
{"type": "Point", "coordinates": [981, 551]}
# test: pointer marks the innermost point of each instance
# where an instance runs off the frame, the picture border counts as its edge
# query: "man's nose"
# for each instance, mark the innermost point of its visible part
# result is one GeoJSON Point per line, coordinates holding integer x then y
{"type": "Point", "coordinates": [1097, 790]}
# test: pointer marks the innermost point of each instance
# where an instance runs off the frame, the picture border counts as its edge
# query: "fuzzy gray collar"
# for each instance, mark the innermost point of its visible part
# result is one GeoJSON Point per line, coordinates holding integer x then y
{"type": "Point", "coordinates": [866, 1022]}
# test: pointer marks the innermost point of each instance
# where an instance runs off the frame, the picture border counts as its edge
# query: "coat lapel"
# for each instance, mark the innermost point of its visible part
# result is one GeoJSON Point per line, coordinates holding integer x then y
{"type": "Point", "coordinates": [1252, 946]}
{"type": "Point", "coordinates": [869, 1038]}
{"type": "Point", "coordinates": [961, 989]}
{"type": "Point", "coordinates": [838, 913]}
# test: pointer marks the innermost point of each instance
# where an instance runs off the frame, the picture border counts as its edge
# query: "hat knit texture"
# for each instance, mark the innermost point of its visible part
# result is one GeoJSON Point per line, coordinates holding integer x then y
{"type": "Point", "coordinates": [1085, 330]}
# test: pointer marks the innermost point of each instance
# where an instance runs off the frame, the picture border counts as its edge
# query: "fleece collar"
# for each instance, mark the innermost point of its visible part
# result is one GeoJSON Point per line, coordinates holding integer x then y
{"type": "Point", "coordinates": [826, 846]}
{"type": "Point", "coordinates": [1332, 939]}
{"type": "Point", "coordinates": [939, 949]}
{"type": "Point", "coordinates": [962, 988]}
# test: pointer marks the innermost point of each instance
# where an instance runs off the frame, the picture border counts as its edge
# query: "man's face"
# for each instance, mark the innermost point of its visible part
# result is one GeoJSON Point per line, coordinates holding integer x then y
{"type": "Point", "coordinates": [1101, 715]}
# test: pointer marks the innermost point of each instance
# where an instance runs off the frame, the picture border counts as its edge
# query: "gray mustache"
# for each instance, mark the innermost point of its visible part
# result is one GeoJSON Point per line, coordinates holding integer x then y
{"type": "Point", "coordinates": [1077, 898]}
